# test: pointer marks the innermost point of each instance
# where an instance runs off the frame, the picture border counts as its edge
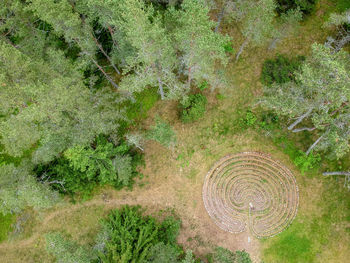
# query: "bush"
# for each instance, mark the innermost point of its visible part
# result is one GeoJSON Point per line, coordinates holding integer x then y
{"type": "Point", "coordinates": [280, 70]}
{"type": "Point", "coordinates": [306, 6]}
{"type": "Point", "coordinates": [162, 133]}
{"type": "Point", "coordinates": [307, 162]}
{"type": "Point", "coordinates": [128, 236]}
{"type": "Point", "coordinates": [82, 168]}
{"type": "Point", "coordinates": [193, 107]}
{"type": "Point", "coordinates": [223, 255]}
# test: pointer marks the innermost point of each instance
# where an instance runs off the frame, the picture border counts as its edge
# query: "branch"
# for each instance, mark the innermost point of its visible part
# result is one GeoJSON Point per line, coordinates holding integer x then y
{"type": "Point", "coordinates": [291, 127]}
{"type": "Point", "coordinates": [314, 144]}
{"type": "Point", "coordinates": [304, 129]}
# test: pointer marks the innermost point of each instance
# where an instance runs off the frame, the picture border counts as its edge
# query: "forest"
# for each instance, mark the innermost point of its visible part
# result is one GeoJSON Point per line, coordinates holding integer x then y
{"type": "Point", "coordinates": [174, 131]}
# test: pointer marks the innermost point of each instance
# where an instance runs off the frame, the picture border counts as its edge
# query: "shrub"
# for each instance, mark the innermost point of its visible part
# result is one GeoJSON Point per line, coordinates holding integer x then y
{"type": "Point", "coordinates": [306, 6]}
{"type": "Point", "coordinates": [193, 107]}
{"type": "Point", "coordinates": [82, 168]}
{"type": "Point", "coordinates": [67, 251]}
{"type": "Point", "coordinates": [129, 236]}
{"type": "Point", "coordinates": [280, 70]}
{"type": "Point", "coordinates": [162, 133]}
{"type": "Point", "coordinates": [307, 162]}
{"type": "Point", "coordinates": [223, 255]}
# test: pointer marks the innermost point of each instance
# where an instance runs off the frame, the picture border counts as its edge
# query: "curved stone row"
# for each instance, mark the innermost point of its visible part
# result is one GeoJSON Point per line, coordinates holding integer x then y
{"type": "Point", "coordinates": [250, 190]}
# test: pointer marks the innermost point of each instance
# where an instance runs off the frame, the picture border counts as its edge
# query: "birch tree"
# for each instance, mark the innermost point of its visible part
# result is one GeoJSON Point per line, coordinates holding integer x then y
{"type": "Point", "coordinates": [319, 96]}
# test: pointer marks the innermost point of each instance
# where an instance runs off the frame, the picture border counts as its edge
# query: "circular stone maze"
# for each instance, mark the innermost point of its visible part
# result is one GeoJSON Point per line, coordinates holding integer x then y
{"type": "Point", "coordinates": [250, 191]}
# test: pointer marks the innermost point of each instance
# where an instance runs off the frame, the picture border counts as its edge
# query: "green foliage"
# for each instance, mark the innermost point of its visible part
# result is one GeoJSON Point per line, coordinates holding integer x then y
{"type": "Point", "coordinates": [162, 132]}
{"type": "Point", "coordinates": [204, 85]}
{"type": "Point", "coordinates": [223, 255]}
{"type": "Point", "coordinates": [229, 48]}
{"type": "Point", "coordinates": [248, 120]}
{"type": "Point", "coordinates": [6, 221]}
{"type": "Point", "coordinates": [326, 109]}
{"type": "Point", "coordinates": [341, 5]}
{"type": "Point", "coordinates": [280, 70]}
{"type": "Point", "coordinates": [306, 6]}
{"type": "Point", "coordinates": [67, 251]}
{"type": "Point", "coordinates": [193, 107]}
{"type": "Point", "coordinates": [82, 168]}
{"type": "Point", "coordinates": [307, 162]}
{"type": "Point", "coordinates": [19, 189]}
{"type": "Point", "coordinates": [128, 236]}
{"type": "Point", "coordinates": [144, 101]}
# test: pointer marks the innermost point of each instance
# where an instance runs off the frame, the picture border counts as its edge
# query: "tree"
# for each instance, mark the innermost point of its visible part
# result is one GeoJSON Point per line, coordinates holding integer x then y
{"type": "Point", "coordinates": [320, 95]}
{"type": "Point", "coordinates": [286, 24]}
{"type": "Point", "coordinates": [71, 25]}
{"type": "Point", "coordinates": [66, 251]}
{"type": "Point", "coordinates": [200, 47]}
{"type": "Point", "coordinates": [162, 133]}
{"type": "Point", "coordinates": [341, 24]}
{"type": "Point", "coordinates": [256, 19]}
{"type": "Point", "coordinates": [48, 108]}
{"type": "Point", "coordinates": [155, 61]}
{"type": "Point", "coordinates": [19, 189]}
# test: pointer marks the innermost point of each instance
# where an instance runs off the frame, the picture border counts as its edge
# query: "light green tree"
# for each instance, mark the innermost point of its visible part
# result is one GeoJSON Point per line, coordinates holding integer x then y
{"type": "Point", "coordinates": [66, 22]}
{"type": "Point", "coordinates": [202, 50]}
{"type": "Point", "coordinates": [154, 61]}
{"type": "Point", "coordinates": [256, 21]}
{"type": "Point", "coordinates": [320, 96]}
{"type": "Point", "coordinates": [19, 189]}
{"type": "Point", "coordinates": [47, 108]}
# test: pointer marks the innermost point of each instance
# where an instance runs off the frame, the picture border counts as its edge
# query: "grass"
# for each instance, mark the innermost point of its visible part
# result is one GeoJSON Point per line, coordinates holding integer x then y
{"type": "Point", "coordinates": [6, 222]}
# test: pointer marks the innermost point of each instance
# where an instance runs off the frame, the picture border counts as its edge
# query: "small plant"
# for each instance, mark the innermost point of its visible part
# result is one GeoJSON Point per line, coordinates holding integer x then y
{"type": "Point", "coordinates": [307, 162]}
{"type": "Point", "coordinates": [204, 85]}
{"type": "Point", "coordinates": [162, 132]}
{"type": "Point", "coordinates": [193, 107]}
{"type": "Point", "coordinates": [228, 48]}
{"type": "Point", "coordinates": [249, 119]}
{"type": "Point", "coordinates": [280, 70]}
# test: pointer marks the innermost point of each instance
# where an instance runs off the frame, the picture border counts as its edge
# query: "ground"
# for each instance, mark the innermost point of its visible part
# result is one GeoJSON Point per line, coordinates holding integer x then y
{"type": "Point", "coordinates": [173, 178]}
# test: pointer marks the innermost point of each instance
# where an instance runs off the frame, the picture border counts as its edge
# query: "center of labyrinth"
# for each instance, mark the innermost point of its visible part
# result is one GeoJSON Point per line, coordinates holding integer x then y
{"type": "Point", "coordinates": [251, 191]}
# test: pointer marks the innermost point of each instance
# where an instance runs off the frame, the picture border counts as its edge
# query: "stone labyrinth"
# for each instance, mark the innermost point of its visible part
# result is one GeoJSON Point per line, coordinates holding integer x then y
{"type": "Point", "coordinates": [251, 191]}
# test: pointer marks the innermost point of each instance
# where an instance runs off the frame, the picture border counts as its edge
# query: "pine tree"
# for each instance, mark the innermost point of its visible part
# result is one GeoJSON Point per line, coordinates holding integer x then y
{"type": "Point", "coordinates": [255, 18]}
{"type": "Point", "coordinates": [200, 47]}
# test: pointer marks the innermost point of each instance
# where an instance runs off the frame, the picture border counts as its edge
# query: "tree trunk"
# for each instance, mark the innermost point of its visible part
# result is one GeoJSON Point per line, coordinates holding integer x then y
{"type": "Point", "coordinates": [105, 74]}
{"type": "Point", "coordinates": [313, 145]}
{"type": "Point", "coordinates": [303, 129]}
{"type": "Point", "coordinates": [161, 90]}
{"type": "Point", "coordinates": [336, 173]}
{"type": "Point", "coordinates": [273, 43]}
{"type": "Point", "coordinates": [115, 43]}
{"type": "Point", "coordinates": [241, 48]}
{"type": "Point", "coordinates": [300, 119]}
{"type": "Point", "coordinates": [220, 17]}
{"type": "Point", "coordinates": [106, 55]}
